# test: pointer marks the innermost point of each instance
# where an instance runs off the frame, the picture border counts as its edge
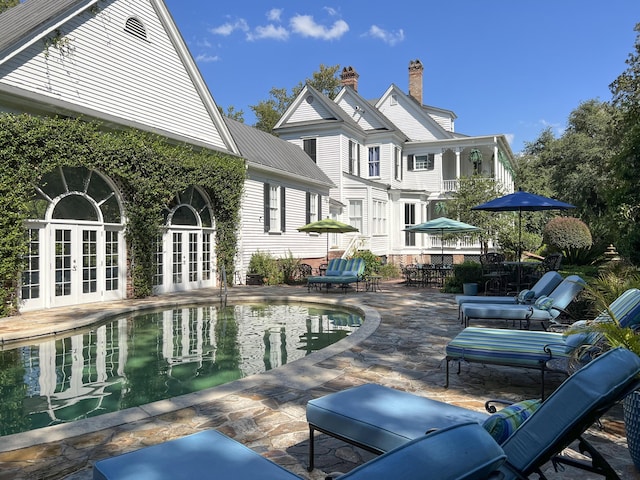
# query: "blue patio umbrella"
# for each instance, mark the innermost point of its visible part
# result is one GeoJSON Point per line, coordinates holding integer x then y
{"type": "Point", "coordinates": [441, 226]}
{"type": "Point", "coordinates": [522, 201]}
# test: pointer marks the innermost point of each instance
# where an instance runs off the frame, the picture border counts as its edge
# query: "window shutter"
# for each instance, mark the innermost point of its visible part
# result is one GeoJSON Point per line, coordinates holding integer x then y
{"type": "Point", "coordinates": [319, 207]}
{"type": "Point", "coordinates": [267, 213]}
{"type": "Point", "coordinates": [283, 211]}
{"type": "Point", "coordinates": [358, 159]}
{"type": "Point", "coordinates": [409, 162]}
{"type": "Point", "coordinates": [308, 209]}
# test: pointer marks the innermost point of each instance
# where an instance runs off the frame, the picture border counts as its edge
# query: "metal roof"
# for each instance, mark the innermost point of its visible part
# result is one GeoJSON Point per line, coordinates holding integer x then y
{"type": "Point", "coordinates": [266, 150]}
{"type": "Point", "coordinates": [17, 23]}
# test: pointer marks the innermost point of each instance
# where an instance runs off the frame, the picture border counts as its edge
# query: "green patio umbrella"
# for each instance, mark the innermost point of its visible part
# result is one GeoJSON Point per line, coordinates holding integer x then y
{"type": "Point", "coordinates": [328, 225]}
{"type": "Point", "coordinates": [441, 226]}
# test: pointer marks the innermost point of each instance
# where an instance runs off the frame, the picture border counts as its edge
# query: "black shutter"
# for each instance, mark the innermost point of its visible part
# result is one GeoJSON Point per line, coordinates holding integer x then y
{"type": "Point", "coordinates": [409, 162]}
{"type": "Point", "coordinates": [283, 211]}
{"type": "Point", "coordinates": [319, 207]}
{"type": "Point", "coordinates": [267, 214]}
{"type": "Point", "coordinates": [358, 159]}
{"type": "Point", "coordinates": [308, 210]}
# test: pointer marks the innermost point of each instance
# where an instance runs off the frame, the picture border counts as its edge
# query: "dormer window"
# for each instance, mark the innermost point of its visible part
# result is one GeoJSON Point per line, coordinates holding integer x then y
{"type": "Point", "coordinates": [135, 27]}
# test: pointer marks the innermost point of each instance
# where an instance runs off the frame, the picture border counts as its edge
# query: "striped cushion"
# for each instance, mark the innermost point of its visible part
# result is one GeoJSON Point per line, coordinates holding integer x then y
{"type": "Point", "coordinates": [503, 423]}
{"type": "Point", "coordinates": [506, 347]}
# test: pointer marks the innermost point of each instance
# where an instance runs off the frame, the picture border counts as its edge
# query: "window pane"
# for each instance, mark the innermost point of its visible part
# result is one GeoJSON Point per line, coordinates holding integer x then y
{"type": "Point", "coordinates": [184, 216]}
{"type": "Point", "coordinates": [75, 207]}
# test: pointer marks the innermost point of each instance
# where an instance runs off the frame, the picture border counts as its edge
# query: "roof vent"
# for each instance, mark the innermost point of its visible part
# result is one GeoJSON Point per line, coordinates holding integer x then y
{"type": "Point", "coordinates": [135, 27]}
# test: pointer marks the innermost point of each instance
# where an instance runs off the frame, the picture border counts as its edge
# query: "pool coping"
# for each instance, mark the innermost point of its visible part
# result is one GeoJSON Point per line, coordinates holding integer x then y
{"type": "Point", "coordinates": [301, 373]}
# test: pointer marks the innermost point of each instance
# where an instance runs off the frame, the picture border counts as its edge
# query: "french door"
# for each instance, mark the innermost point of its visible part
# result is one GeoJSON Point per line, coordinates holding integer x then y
{"type": "Point", "coordinates": [186, 261]}
{"type": "Point", "coordinates": [84, 264]}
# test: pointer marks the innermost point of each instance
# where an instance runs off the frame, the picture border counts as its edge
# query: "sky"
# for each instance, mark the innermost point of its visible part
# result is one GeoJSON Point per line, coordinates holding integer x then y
{"type": "Point", "coordinates": [512, 67]}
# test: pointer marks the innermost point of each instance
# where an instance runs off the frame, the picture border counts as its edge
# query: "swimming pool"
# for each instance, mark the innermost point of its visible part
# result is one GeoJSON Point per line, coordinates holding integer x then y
{"type": "Point", "coordinates": [145, 356]}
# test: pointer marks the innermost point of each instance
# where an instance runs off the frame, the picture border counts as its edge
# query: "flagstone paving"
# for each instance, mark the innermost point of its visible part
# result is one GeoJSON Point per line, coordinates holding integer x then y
{"type": "Point", "coordinates": [266, 412]}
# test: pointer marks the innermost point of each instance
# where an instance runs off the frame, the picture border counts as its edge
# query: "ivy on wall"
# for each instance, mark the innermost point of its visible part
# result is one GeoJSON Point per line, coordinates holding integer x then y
{"type": "Point", "coordinates": [147, 170]}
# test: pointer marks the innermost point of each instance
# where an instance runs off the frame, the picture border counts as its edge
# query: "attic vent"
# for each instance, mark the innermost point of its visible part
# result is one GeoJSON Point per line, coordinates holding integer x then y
{"type": "Point", "coordinates": [135, 27]}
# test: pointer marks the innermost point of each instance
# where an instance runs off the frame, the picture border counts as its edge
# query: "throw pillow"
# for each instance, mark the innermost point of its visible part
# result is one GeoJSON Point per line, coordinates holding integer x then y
{"type": "Point", "coordinates": [502, 424]}
{"type": "Point", "coordinates": [544, 303]}
{"type": "Point", "coordinates": [525, 296]}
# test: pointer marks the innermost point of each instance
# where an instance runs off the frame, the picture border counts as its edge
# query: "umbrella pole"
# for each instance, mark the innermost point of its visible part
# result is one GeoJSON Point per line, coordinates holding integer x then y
{"type": "Point", "coordinates": [442, 247]}
{"type": "Point", "coordinates": [519, 246]}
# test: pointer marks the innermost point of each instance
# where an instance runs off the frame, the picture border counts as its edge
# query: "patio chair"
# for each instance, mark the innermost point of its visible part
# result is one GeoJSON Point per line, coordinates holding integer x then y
{"type": "Point", "coordinates": [545, 351]}
{"type": "Point", "coordinates": [543, 287]}
{"type": "Point", "coordinates": [378, 418]}
{"type": "Point", "coordinates": [212, 455]}
{"type": "Point", "coordinates": [550, 263]}
{"type": "Point", "coordinates": [546, 310]}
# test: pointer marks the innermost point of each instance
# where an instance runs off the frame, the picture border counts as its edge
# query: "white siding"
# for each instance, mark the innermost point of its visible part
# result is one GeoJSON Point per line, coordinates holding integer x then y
{"type": "Point", "coordinates": [415, 127]}
{"type": "Point", "coordinates": [114, 72]}
{"type": "Point", "coordinates": [252, 234]}
{"type": "Point", "coordinates": [310, 111]}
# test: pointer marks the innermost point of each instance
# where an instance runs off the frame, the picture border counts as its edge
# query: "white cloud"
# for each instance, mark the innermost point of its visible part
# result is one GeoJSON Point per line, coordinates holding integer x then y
{"type": "Point", "coordinates": [274, 14]}
{"type": "Point", "coordinates": [206, 58]}
{"type": "Point", "coordinates": [230, 27]}
{"type": "Point", "coordinates": [306, 26]}
{"type": "Point", "coordinates": [268, 31]}
{"type": "Point", "coordinates": [390, 38]}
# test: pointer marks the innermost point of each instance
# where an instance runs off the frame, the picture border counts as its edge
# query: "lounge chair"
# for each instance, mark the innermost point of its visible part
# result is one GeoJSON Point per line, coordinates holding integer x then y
{"type": "Point", "coordinates": [546, 351]}
{"type": "Point", "coordinates": [542, 287]}
{"type": "Point", "coordinates": [340, 272]}
{"type": "Point", "coordinates": [378, 418]}
{"type": "Point", "coordinates": [545, 310]}
{"type": "Point", "coordinates": [212, 455]}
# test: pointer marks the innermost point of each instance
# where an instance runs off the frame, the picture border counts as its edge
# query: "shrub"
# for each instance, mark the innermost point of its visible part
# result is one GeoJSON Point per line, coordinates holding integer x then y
{"type": "Point", "coordinates": [371, 261]}
{"type": "Point", "coordinates": [565, 233]}
{"type": "Point", "coordinates": [466, 272]}
{"type": "Point", "coordinates": [289, 266]}
{"type": "Point", "coordinates": [265, 265]}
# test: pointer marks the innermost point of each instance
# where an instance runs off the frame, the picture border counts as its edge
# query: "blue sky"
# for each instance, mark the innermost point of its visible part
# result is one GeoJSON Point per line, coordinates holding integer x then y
{"type": "Point", "coordinates": [510, 67]}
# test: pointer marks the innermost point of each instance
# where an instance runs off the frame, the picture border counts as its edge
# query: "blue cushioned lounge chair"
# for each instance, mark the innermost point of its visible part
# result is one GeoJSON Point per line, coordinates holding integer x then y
{"type": "Point", "coordinates": [212, 455]}
{"type": "Point", "coordinates": [533, 349]}
{"type": "Point", "coordinates": [378, 418]}
{"type": "Point", "coordinates": [561, 297]}
{"type": "Point", "coordinates": [340, 272]}
{"type": "Point", "coordinates": [543, 287]}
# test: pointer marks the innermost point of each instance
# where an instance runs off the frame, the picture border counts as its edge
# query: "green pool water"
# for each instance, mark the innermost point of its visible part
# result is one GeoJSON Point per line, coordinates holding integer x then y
{"type": "Point", "coordinates": [146, 356]}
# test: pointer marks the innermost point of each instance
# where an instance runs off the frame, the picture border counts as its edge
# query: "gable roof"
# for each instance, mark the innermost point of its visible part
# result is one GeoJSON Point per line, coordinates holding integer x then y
{"type": "Point", "coordinates": [268, 152]}
{"type": "Point", "coordinates": [29, 22]}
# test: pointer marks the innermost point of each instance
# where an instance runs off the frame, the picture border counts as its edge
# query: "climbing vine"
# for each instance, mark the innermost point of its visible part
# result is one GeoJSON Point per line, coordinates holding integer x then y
{"type": "Point", "coordinates": [148, 171]}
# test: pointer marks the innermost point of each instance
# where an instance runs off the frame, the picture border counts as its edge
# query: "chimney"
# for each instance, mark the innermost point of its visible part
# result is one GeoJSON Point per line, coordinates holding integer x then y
{"type": "Point", "coordinates": [349, 78]}
{"type": "Point", "coordinates": [415, 80]}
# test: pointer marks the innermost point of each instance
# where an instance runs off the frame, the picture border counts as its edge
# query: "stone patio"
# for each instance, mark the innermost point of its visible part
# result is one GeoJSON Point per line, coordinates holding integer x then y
{"type": "Point", "coordinates": [401, 347]}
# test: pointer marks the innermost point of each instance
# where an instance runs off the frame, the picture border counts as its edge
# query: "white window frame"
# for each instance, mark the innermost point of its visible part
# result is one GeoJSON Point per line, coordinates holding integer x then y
{"type": "Point", "coordinates": [424, 162]}
{"type": "Point", "coordinates": [373, 161]}
{"type": "Point", "coordinates": [379, 217]}
{"type": "Point", "coordinates": [356, 213]}
{"type": "Point", "coordinates": [274, 208]}
{"type": "Point", "coordinates": [313, 207]}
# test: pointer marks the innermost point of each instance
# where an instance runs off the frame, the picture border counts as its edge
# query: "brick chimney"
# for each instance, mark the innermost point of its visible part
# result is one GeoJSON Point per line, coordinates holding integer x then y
{"type": "Point", "coordinates": [349, 78]}
{"type": "Point", "coordinates": [415, 80]}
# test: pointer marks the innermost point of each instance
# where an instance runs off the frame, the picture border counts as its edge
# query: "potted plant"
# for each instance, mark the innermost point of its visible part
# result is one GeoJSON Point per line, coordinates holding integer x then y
{"type": "Point", "coordinates": [467, 275]}
{"type": "Point", "coordinates": [602, 292]}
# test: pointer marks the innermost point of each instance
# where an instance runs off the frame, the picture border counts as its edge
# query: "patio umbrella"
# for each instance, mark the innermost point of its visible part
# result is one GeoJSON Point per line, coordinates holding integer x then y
{"type": "Point", "coordinates": [328, 225]}
{"type": "Point", "coordinates": [441, 226]}
{"type": "Point", "coordinates": [522, 201]}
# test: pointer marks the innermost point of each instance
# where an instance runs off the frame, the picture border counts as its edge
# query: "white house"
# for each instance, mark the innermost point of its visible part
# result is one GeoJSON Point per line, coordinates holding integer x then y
{"type": "Point", "coordinates": [393, 161]}
{"type": "Point", "coordinates": [124, 63]}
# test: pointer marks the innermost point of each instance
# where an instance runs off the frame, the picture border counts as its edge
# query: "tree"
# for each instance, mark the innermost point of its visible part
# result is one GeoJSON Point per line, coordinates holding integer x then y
{"type": "Point", "coordinates": [473, 191]}
{"type": "Point", "coordinates": [7, 4]}
{"type": "Point", "coordinates": [579, 163]}
{"type": "Point", "coordinates": [232, 113]}
{"type": "Point", "coordinates": [269, 111]}
{"type": "Point", "coordinates": [623, 191]}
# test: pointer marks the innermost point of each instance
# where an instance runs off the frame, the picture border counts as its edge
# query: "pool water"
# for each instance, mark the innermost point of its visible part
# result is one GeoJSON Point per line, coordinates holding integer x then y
{"type": "Point", "coordinates": [142, 357]}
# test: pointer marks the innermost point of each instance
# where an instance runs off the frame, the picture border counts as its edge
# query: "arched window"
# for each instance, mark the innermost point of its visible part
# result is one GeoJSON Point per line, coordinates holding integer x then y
{"type": "Point", "coordinates": [76, 243]}
{"type": "Point", "coordinates": [135, 27]}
